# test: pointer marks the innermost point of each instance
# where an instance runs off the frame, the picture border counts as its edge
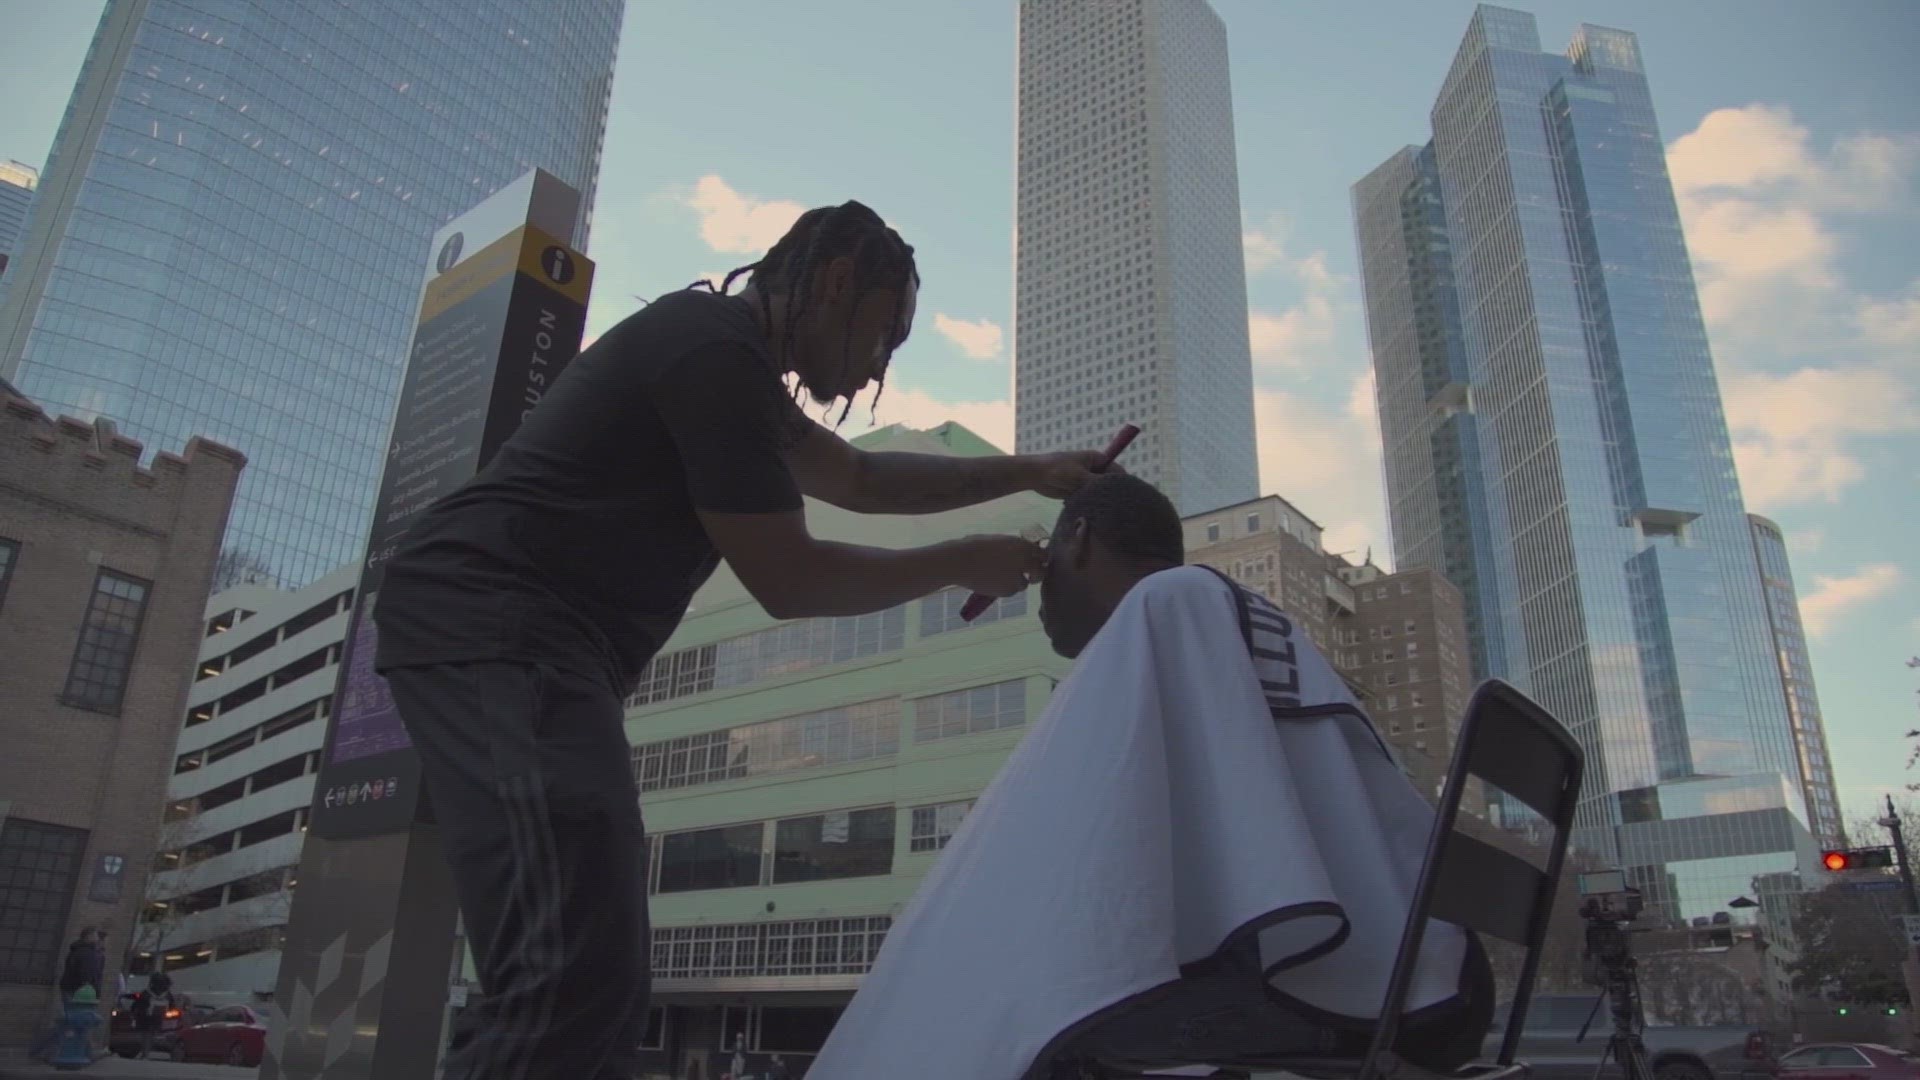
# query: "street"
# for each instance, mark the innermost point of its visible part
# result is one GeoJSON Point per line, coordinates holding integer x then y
{"type": "Point", "coordinates": [15, 1065]}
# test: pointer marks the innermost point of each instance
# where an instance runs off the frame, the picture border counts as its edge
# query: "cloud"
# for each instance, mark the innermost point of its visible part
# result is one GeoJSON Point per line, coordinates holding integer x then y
{"type": "Point", "coordinates": [1326, 461]}
{"type": "Point", "coordinates": [1299, 339]}
{"type": "Point", "coordinates": [1756, 196]}
{"type": "Point", "coordinates": [1835, 595]}
{"type": "Point", "coordinates": [1792, 433]}
{"type": "Point", "coordinates": [979, 339]}
{"type": "Point", "coordinates": [1809, 365]}
{"type": "Point", "coordinates": [1806, 541]}
{"type": "Point", "coordinates": [1263, 249]}
{"type": "Point", "coordinates": [736, 224]}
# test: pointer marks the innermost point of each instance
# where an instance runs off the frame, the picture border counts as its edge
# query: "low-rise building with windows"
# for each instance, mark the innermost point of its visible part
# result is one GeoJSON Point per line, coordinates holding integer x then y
{"type": "Point", "coordinates": [104, 567]}
{"type": "Point", "coordinates": [800, 778]}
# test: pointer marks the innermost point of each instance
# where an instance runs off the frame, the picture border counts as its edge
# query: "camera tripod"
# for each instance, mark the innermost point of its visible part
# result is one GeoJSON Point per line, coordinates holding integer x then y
{"type": "Point", "coordinates": [1610, 966]}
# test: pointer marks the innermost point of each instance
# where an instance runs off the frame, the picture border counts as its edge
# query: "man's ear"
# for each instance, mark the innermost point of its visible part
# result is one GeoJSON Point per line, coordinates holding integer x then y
{"type": "Point", "coordinates": [1079, 544]}
{"type": "Point", "coordinates": [833, 281]}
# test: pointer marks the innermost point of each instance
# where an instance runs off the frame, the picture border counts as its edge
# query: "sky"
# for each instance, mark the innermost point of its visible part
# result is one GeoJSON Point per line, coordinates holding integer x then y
{"type": "Point", "coordinates": [1793, 147]}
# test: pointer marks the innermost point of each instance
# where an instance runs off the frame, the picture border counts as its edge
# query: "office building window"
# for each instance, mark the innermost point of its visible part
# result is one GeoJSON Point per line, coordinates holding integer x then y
{"type": "Point", "coordinates": [9, 556]}
{"type": "Point", "coordinates": [727, 857]}
{"type": "Point", "coordinates": [102, 660]}
{"type": "Point", "coordinates": [934, 825]}
{"type": "Point", "coordinates": [970, 711]}
{"type": "Point", "coordinates": [837, 844]}
{"type": "Point", "coordinates": [740, 950]}
{"type": "Point", "coordinates": [39, 871]}
{"type": "Point", "coordinates": [940, 613]}
{"type": "Point", "coordinates": [861, 732]}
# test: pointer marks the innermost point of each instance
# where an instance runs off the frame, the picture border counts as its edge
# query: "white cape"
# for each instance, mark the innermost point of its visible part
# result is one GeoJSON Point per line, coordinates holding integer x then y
{"type": "Point", "coordinates": [1158, 807]}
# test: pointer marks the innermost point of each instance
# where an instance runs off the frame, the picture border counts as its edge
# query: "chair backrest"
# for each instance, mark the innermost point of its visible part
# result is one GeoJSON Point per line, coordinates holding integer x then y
{"type": "Point", "coordinates": [1510, 743]}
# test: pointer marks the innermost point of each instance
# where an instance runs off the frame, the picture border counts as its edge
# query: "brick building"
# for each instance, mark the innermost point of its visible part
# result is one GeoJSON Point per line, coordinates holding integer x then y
{"type": "Point", "coordinates": [1398, 639]}
{"type": "Point", "coordinates": [104, 573]}
{"type": "Point", "coordinates": [1406, 644]}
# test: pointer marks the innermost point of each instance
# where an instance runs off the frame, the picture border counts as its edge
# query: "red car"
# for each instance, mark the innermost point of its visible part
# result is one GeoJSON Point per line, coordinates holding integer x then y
{"type": "Point", "coordinates": [1848, 1061]}
{"type": "Point", "coordinates": [235, 1035]}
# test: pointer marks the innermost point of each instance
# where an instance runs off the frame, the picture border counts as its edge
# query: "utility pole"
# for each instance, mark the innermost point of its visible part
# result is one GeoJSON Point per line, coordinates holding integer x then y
{"type": "Point", "coordinates": [1910, 969]}
{"type": "Point", "coordinates": [1892, 824]}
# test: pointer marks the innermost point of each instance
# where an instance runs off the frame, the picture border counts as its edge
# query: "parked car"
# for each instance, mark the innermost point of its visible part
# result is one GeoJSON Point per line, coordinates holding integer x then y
{"type": "Point", "coordinates": [1550, 1042]}
{"type": "Point", "coordinates": [233, 1035]}
{"type": "Point", "coordinates": [123, 1037]}
{"type": "Point", "coordinates": [1848, 1061]}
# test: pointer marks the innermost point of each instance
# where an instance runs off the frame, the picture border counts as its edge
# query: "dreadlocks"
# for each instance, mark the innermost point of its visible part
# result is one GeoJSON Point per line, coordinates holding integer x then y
{"type": "Point", "coordinates": [881, 260]}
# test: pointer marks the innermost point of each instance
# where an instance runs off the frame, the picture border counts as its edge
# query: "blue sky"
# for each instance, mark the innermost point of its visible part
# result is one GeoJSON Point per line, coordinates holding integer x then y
{"type": "Point", "coordinates": [1793, 130]}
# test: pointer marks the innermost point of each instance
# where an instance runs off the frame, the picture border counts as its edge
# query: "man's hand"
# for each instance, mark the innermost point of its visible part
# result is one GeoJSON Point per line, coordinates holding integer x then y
{"type": "Point", "coordinates": [997, 565]}
{"type": "Point", "coordinates": [1059, 475]}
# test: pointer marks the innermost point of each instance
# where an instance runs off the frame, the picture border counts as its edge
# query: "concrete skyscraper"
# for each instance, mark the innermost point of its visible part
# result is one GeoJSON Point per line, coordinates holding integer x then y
{"type": "Point", "coordinates": [17, 182]}
{"type": "Point", "coordinates": [1131, 292]}
{"type": "Point", "coordinates": [232, 224]}
{"type": "Point", "coordinates": [1555, 444]}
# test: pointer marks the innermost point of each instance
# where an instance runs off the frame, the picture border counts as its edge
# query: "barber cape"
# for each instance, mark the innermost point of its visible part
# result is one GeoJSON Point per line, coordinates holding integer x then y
{"type": "Point", "coordinates": [1203, 774]}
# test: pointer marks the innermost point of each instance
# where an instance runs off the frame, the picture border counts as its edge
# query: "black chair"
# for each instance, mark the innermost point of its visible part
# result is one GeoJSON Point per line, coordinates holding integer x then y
{"type": "Point", "coordinates": [1509, 743]}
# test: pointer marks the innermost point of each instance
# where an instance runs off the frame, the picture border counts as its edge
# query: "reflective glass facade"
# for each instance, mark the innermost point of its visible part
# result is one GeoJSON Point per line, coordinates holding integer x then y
{"type": "Point", "coordinates": [1130, 280]}
{"type": "Point", "coordinates": [1796, 676]}
{"type": "Point", "coordinates": [235, 216]}
{"type": "Point", "coordinates": [1554, 433]}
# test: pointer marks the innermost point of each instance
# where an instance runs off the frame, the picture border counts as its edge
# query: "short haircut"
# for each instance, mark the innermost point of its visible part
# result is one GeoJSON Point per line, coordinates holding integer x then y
{"type": "Point", "coordinates": [1129, 516]}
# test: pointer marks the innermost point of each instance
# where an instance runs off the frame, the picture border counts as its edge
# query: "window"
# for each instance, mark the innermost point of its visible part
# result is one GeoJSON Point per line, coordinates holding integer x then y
{"type": "Point", "coordinates": [1213, 532]}
{"type": "Point", "coordinates": [102, 660]}
{"type": "Point", "coordinates": [934, 825]}
{"type": "Point", "coordinates": [1253, 523]}
{"type": "Point", "coordinates": [837, 844]}
{"type": "Point", "coordinates": [971, 711]}
{"type": "Point", "coordinates": [801, 947]}
{"type": "Point", "coordinates": [1417, 700]}
{"type": "Point", "coordinates": [724, 858]}
{"type": "Point", "coordinates": [656, 1036]}
{"type": "Point", "coordinates": [39, 871]}
{"type": "Point", "coordinates": [1413, 649]}
{"type": "Point", "coordinates": [1413, 674]}
{"type": "Point", "coordinates": [940, 613]}
{"type": "Point", "coordinates": [9, 555]}
{"type": "Point", "coordinates": [1412, 627]}
{"type": "Point", "coordinates": [861, 732]}
{"type": "Point", "coordinates": [1406, 588]}
{"type": "Point", "coordinates": [794, 1029]}
{"type": "Point", "coordinates": [1393, 702]}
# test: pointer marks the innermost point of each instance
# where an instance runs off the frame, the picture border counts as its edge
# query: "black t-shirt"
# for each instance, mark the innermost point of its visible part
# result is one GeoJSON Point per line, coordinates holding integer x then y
{"type": "Point", "coordinates": [578, 545]}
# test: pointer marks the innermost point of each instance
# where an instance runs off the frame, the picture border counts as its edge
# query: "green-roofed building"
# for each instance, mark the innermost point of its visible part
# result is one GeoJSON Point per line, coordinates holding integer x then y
{"type": "Point", "coordinates": [800, 778]}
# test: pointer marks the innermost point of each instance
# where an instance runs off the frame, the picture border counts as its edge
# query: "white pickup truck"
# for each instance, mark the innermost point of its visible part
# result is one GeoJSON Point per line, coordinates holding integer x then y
{"type": "Point", "coordinates": [1550, 1043]}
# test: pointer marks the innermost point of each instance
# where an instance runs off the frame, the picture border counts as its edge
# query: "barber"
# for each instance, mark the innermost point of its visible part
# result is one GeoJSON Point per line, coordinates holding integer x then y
{"type": "Point", "coordinates": [520, 610]}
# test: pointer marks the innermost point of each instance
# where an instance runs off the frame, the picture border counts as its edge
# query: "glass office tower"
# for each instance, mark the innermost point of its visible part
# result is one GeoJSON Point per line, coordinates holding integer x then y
{"type": "Point", "coordinates": [234, 218]}
{"type": "Point", "coordinates": [1555, 443]}
{"type": "Point", "coordinates": [1130, 280]}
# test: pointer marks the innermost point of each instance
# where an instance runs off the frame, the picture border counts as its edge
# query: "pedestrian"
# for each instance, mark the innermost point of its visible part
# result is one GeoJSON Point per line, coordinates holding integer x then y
{"type": "Point", "coordinates": [150, 1010]}
{"type": "Point", "coordinates": [519, 611]}
{"type": "Point", "coordinates": [85, 965]}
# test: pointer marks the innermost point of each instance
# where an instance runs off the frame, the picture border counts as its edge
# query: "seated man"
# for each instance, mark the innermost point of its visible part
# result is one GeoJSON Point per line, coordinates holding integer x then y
{"type": "Point", "coordinates": [1200, 850]}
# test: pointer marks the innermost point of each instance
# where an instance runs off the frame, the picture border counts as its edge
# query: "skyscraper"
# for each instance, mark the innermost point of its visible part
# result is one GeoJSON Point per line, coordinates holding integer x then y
{"type": "Point", "coordinates": [16, 194]}
{"type": "Point", "coordinates": [1796, 679]}
{"type": "Point", "coordinates": [1555, 443]}
{"type": "Point", "coordinates": [233, 220]}
{"type": "Point", "coordinates": [1131, 292]}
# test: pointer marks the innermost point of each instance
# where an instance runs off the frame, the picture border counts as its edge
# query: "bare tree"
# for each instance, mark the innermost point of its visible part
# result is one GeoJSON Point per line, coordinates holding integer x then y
{"type": "Point", "coordinates": [238, 566]}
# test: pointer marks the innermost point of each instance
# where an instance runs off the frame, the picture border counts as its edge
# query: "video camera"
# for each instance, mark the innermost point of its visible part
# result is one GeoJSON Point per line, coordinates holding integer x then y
{"type": "Point", "coordinates": [1605, 896]}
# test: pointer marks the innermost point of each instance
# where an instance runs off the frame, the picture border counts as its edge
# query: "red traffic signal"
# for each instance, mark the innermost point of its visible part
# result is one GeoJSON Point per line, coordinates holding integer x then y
{"type": "Point", "coordinates": [1873, 858]}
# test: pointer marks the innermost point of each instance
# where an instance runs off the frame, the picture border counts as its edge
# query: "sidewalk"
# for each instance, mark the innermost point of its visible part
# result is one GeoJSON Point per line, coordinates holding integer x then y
{"type": "Point", "coordinates": [15, 1065]}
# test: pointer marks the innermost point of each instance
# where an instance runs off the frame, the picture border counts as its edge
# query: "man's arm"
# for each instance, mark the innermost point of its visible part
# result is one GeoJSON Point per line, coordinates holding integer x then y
{"type": "Point", "coordinates": [795, 576]}
{"type": "Point", "coordinates": [830, 469]}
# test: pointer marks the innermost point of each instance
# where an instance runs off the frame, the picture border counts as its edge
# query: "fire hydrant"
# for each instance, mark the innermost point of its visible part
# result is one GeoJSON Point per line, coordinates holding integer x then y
{"type": "Point", "coordinates": [75, 1050]}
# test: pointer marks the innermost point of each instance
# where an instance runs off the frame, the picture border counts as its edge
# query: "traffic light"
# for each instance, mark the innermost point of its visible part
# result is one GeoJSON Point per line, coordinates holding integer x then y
{"type": "Point", "coordinates": [1872, 858]}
